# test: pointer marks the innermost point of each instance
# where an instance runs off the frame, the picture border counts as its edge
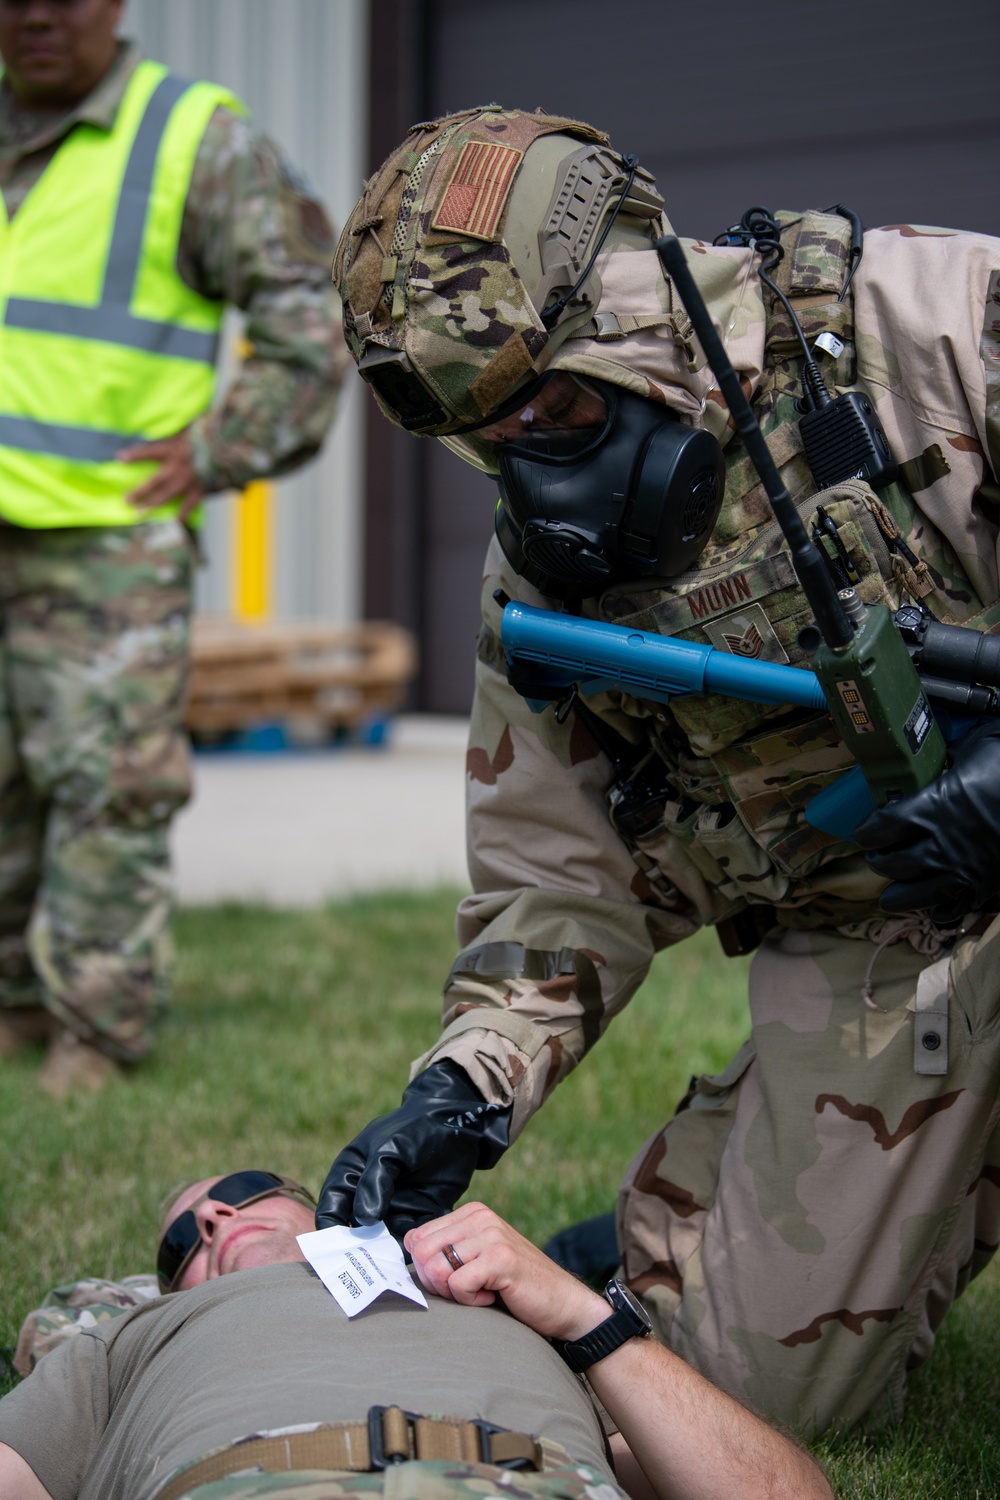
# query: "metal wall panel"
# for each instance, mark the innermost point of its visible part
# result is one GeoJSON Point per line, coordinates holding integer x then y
{"type": "Point", "coordinates": [302, 67]}
{"type": "Point", "coordinates": [890, 107]}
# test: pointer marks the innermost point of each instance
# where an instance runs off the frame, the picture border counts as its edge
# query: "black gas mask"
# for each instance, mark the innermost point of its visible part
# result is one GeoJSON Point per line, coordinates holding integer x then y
{"type": "Point", "coordinates": [635, 495]}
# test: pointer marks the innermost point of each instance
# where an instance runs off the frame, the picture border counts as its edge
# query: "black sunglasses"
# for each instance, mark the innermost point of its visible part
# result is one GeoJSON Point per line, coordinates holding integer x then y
{"type": "Point", "coordinates": [238, 1190]}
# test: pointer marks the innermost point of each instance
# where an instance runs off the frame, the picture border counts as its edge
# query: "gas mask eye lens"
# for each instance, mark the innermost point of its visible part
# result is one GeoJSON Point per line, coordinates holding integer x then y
{"type": "Point", "coordinates": [564, 416]}
{"type": "Point", "coordinates": [561, 403]}
{"type": "Point", "coordinates": [565, 403]}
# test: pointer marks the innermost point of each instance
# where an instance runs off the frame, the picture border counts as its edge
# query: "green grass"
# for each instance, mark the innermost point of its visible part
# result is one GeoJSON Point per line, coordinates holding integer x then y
{"type": "Point", "coordinates": [290, 1030]}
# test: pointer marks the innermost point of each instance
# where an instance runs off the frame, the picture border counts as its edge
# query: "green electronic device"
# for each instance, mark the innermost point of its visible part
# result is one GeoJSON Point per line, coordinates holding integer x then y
{"type": "Point", "coordinates": [878, 704]}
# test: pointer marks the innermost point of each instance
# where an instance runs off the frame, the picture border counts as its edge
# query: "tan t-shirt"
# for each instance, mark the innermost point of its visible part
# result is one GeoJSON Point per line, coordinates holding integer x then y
{"type": "Point", "coordinates": [112, 1412]}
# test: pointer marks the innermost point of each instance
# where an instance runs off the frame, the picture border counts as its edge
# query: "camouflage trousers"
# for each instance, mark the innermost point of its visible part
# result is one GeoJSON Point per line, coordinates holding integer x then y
{"type": "Point", "coordinates": [94, 630]}
{"type": "Point", "coordinates": [799, 1230]}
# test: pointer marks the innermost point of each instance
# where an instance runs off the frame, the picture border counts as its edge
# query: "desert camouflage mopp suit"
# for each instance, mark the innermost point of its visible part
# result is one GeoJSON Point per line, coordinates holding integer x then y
{"type": "Point", "coordinates": [799, 1229]}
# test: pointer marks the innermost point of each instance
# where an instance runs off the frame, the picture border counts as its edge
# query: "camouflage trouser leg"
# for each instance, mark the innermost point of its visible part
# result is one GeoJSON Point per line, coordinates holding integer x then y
{"type": "Point", "coordinates": [801, 1229]}
{"type": "Point", "coordinates": [93, 764]}
{"type": "Point", "coordinates": [22, 835]}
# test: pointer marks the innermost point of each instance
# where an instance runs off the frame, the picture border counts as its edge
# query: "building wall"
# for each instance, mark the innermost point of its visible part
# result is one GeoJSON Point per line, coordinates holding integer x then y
{"type": "Point", "coordinates": [891, 107]}
{"type": "Point", "coordinates": [302, 67]}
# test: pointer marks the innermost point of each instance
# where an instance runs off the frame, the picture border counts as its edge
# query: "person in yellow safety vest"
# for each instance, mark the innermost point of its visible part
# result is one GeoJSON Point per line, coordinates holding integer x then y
{"type": "Point", "coordinates": [136, 205]}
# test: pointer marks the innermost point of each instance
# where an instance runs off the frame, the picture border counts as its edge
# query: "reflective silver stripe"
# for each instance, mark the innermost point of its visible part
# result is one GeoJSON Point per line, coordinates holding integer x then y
{"type": "Point", "coordinates": [87, 444]}
{"type": "Point", "coordinates": [110, 322]}
{"type": "Point", "coordinates": [107, 324]}
{"type": "Point", "coordinates": [133, 201]}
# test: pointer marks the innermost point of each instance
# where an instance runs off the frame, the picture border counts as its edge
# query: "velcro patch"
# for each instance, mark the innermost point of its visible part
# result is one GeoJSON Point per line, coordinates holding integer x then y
{"type": "Point", "coordinates": [477, 190]}
{"type": "Point", "coordinates": [748, 633]}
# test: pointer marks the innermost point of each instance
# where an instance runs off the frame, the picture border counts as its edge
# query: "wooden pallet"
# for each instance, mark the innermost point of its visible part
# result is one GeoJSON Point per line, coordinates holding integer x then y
{"type": "Point", "coordinates": [324, 677]}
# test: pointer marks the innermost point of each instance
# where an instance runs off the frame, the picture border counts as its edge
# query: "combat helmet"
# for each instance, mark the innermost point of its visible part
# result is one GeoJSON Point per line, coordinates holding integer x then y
{"type": "Point", "coordinates": [470, 259]}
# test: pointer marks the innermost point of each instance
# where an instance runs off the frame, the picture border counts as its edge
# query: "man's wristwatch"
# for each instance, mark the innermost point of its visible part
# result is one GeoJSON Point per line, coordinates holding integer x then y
{"type": "Point", "coordinates": [629, 1320]}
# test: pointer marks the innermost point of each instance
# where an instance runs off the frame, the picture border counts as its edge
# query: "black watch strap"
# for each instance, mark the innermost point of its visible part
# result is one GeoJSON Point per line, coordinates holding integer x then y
{"type": "Point", "coordinates": [628, 1320]}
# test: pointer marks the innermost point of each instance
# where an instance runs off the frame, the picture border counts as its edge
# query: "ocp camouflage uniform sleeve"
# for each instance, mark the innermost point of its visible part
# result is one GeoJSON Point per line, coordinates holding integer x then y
{"type": "Point", "coordinates": [68, 1310]}
{"type": "Point", "coordinates": [254, 234]}
{"type": "Point", "coordinates": [562, 927]}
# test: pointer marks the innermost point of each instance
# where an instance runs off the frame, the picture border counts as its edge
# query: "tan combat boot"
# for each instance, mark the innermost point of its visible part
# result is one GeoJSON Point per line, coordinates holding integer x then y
{"type": "Point", "coordinates": [72, 1065]}
{"type": "Point", "coordinates": [23, 1027]}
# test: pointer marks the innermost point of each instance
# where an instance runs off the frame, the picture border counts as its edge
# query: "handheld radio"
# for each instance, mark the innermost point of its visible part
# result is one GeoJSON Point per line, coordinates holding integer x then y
{"type": "Point", "coordinates": [870, 683]}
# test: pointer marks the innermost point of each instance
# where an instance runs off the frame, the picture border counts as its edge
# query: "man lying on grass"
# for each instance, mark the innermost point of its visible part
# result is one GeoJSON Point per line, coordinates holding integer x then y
{"type": "Point", "coordinates": [159, 1401]}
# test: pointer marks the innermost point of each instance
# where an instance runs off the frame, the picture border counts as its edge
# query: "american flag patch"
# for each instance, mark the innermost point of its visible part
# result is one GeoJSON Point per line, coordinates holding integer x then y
{"type": "Point", "coordinates": [477, 192]}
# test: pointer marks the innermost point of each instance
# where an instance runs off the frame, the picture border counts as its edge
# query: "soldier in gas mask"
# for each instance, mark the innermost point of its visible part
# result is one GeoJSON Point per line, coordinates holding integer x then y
{"type": "Point", "coordinates": [798, 1231]}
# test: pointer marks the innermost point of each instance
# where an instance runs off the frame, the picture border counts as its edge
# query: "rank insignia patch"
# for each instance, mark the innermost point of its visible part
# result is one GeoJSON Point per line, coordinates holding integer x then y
{"type": "Point", "coordinates": [477, 192]}
{"type": "Point", "coordinates": [748, 633]}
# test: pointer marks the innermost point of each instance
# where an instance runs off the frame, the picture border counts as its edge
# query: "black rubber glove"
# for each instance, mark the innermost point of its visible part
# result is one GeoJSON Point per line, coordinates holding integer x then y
{"type": "Point", "coordinates": [415, 1163]}
{"type": "Point", "coordinates": [941, 846]}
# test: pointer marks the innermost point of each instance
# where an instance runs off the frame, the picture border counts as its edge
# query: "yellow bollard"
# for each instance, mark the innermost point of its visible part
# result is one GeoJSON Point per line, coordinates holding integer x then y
{"type": "Point", "coordinates": [252, 552]}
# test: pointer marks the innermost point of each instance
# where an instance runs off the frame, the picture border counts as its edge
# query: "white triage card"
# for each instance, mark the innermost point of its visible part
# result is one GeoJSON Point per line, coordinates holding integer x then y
{"type": "Point", "coordinates": [358, 1265]}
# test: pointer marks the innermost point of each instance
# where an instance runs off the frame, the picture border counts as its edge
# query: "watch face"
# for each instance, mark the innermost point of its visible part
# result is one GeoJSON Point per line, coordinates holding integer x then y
{"type": "Point", "coordinates": [628, 1320]}
{"type": "Point", "coordinates": [621, 1298]}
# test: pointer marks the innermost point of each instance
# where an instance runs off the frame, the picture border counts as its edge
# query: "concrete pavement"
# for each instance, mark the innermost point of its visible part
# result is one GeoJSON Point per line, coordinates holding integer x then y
{"type": "Point", "coordinates": [295, 828]}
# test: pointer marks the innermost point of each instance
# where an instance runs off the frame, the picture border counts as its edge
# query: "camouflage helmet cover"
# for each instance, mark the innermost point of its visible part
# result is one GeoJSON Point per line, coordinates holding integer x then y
{"type": "Point", "coordinates": [460, 239]}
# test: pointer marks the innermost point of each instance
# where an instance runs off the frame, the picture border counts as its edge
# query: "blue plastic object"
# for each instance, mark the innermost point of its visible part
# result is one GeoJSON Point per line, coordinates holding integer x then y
{"type": "Point", "coordinates": [598, 656]}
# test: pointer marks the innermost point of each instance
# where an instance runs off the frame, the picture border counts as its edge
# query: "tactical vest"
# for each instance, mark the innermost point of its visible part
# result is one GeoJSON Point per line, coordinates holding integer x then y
{"type": "Point", "coordinates": [101, 342]}
{"type": "Point", "coordinates": [735, 777]}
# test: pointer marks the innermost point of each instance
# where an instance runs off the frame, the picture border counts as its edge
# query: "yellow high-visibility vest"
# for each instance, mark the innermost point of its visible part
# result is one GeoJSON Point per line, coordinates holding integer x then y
{"type": "Point", "coordinates": [101, 342]}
